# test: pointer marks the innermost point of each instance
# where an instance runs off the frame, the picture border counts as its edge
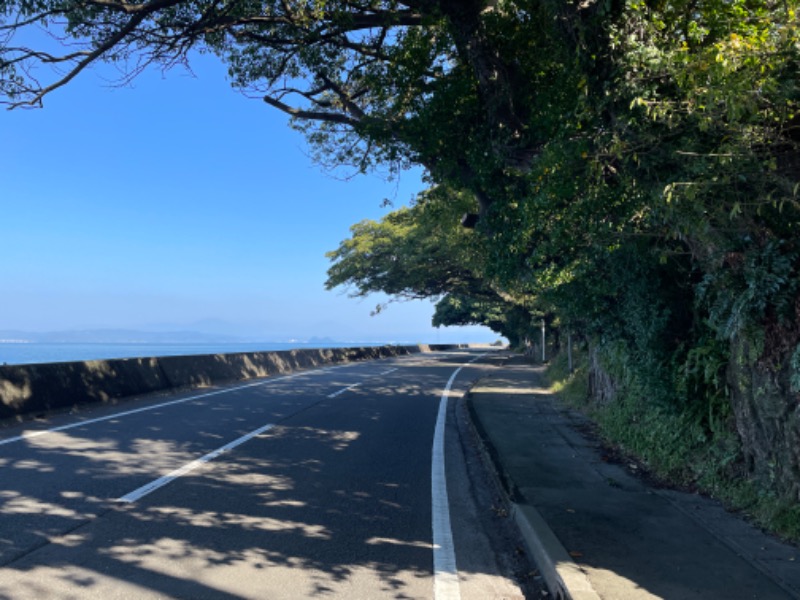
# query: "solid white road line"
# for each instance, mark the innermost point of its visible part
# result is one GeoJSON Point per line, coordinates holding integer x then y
{"type": "Point", "coordinates": [445, 571]}
{"type": "Point", "coordinates": [162, 481]}
{"type": "Point", "coordinates": [32, 434]}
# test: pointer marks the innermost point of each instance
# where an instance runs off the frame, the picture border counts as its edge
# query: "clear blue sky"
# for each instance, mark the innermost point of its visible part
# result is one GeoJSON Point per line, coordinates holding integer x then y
{"type": "Point", "coordinates": [175, 201]}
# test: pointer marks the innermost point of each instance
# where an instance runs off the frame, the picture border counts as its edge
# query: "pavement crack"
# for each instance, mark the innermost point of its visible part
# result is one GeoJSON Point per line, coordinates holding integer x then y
{"type": "Point", "coordinates": [50, 539]}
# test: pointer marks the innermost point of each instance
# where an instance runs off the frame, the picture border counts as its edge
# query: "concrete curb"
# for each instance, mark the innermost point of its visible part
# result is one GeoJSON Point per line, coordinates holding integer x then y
{"type": "Point", "coordinates": [564, 578]}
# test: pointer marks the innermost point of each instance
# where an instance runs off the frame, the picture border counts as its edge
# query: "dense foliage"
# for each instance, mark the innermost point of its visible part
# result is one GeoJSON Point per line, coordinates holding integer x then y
{"type": "Point", "coordinates": [423, 252]}
{"type": "Point", "coordinates": [634, 165]}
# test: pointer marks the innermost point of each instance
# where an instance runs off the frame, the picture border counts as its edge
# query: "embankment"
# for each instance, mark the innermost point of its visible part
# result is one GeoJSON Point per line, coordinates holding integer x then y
{"type": "Point", "coordinates": [35, 389]}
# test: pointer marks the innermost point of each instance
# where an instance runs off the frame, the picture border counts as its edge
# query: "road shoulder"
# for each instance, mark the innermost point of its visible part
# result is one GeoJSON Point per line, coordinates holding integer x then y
{"type": "Point", "coordinates": [596, 531]}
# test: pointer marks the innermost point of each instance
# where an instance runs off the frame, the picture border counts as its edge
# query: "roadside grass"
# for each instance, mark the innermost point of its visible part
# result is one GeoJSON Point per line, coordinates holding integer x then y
{"type": "Point", "coordinates": [673, 450]}
{"type": "Point", "coordinates": [571, 388]}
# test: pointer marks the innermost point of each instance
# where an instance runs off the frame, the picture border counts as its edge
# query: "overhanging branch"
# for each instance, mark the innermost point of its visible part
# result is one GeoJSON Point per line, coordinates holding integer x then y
{"type": "Point", "coordinates": [314, 115]}
{"type": "Point", "coordinates": [90, 56]}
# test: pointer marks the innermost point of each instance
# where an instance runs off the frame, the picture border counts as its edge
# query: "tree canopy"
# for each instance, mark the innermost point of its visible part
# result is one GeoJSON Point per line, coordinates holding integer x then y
{"type": "Point", "coordinates": [422, 251]}
{"type": "Point", "coordinates": [414, 252]}
{"type": "Point", "coordinates": [442, 83]}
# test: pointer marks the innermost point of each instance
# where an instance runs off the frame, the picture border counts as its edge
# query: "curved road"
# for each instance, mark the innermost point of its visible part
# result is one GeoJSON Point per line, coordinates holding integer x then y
{"type": "Point", "coordinates": [324, 483]}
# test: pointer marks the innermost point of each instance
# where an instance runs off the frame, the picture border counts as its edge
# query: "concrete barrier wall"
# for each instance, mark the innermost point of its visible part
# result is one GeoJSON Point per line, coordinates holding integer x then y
{"type": "Point", "coordinates": [34, 389]}
{"type": "Point", "coordinates": [38, 388]}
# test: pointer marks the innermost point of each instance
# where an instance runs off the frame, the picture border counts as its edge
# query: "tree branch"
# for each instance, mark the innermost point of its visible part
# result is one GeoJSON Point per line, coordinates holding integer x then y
{"type": "Point", "coordinates": [91, 56]}
{"type": "Point", "coordinates": [311, 114]}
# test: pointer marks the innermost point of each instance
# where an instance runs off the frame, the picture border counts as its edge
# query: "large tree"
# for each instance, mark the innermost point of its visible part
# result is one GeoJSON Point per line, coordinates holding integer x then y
{"type": "Point", "coordinates": [413, 252]}
{"type": "Point", "coordinates": [421, 252]}
{"type": "Point", "coordinates": [459, 86]}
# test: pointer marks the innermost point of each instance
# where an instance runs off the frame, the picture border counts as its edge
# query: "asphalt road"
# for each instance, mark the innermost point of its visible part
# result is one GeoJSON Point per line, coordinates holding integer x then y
{"type": "Point", "coordinates": [326, 483]}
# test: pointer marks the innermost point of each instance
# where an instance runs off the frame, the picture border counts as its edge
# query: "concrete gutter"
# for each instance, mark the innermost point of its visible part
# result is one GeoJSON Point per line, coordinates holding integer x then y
{"type": "Point", "coordinates": [564, 578]}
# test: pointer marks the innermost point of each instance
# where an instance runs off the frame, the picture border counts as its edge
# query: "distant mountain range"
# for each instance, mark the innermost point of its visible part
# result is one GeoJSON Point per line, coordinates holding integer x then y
{"type": "Point", "coordinates": [159, 335]}
{"type": "Point", "coordinates": [117, 336]}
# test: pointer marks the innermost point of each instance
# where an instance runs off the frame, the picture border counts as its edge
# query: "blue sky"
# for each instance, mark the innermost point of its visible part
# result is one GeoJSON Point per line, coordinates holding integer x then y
{"type": "Point", "coordinates": [176, 202]}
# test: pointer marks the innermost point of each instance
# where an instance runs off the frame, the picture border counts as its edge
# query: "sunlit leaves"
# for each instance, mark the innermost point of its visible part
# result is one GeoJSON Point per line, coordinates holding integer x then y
{"type": "Point", "coordinates": [416, 252]}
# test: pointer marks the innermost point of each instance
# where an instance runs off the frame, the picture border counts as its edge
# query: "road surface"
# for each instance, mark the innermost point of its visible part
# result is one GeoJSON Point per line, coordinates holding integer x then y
{"type": "Point", "coordinates": [354, 481]}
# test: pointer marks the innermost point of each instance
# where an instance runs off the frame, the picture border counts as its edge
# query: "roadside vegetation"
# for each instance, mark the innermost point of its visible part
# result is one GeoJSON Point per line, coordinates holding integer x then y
{"type": "Point", "coordinates": [671, 450]}
{"type": "Point", "coordinates": [625, 171]}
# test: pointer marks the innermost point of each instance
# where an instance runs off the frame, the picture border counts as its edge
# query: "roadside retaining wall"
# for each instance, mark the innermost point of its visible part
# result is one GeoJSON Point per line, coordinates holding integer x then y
{"type": "Point", "coordinates": [35, 389]}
